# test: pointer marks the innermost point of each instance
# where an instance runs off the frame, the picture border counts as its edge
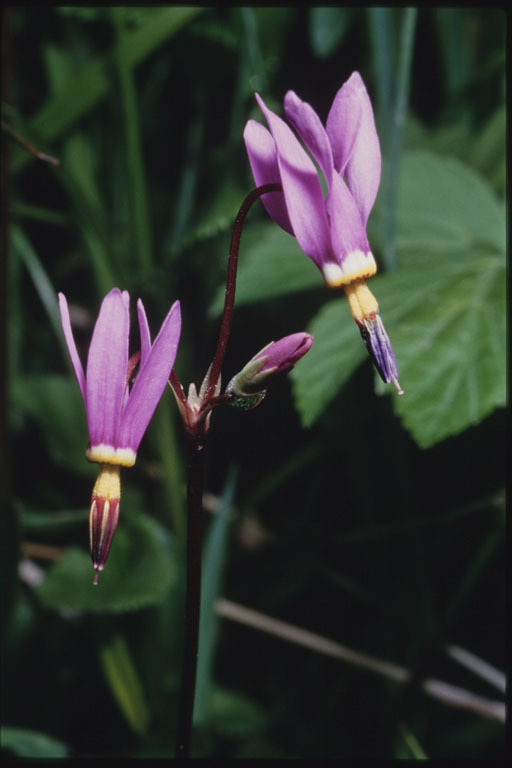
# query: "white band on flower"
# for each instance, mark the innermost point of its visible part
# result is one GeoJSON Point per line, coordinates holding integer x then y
{"type": "Point", "coordinates": [107, 454]}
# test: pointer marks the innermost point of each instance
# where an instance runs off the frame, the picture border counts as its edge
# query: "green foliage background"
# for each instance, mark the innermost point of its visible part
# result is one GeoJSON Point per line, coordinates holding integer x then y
{"type": "Point", "coordinates": [373, 520]}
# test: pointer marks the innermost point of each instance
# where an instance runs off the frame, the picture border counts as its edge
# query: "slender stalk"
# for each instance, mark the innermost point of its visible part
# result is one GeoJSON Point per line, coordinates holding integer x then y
{"type": "Point", "coordinates": [197, 426]}
{"type": "Point", "coordinates": [229, 301]}
{"type": "Point", "coordinates": [193, 593]}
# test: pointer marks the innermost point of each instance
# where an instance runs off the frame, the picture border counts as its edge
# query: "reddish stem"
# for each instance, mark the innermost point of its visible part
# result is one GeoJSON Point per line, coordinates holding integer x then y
{"type": "Point", "coordinates": [177, 387]}
{"type": "Point", "coordinates": [197, 429]}
{"type": "Point", "coordinates": [229, 301]}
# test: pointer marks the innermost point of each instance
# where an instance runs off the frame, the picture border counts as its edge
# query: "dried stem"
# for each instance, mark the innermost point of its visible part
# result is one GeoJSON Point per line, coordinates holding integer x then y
{"type": "Point", "coordinates": [22, 141]}
{"type": "Point", "coordinates": [449, 694]}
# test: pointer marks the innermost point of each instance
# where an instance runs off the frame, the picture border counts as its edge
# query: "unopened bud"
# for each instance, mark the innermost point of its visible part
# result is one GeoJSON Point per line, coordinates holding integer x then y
{"type": "Point", "coordinates": [248, 387]}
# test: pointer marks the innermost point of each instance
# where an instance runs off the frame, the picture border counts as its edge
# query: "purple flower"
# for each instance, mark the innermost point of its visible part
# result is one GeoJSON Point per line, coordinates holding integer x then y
{"type": "Point", "coordinates": [330, 229]}
{"type": "Point", "coordinates": [276, 358]}
{"type": "Point", "coordinates": [118, 415]}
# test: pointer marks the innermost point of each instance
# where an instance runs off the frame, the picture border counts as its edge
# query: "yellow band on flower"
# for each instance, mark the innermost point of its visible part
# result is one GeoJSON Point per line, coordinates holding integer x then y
{"type": "Point", "coordinates": [108, 483]}
{"type": "Point", "coordinates": [363, 303]}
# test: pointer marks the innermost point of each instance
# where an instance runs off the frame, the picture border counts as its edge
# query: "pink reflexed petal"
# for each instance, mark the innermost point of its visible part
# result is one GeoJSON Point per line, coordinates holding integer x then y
{"type": "Point", "coordinates": [364, 164]}
{"type": "Point", "coordinates": [262, 152]}
{"type": "Point", "coordinates": [343, 123]}
{"type": "Point", "coordinates": [151, 381]}
{"type": "Point", "coordinates": [348, 232]}
{"type": "Point", "coordinates": [302, 190]}
{"type": "Point", "coordinates": [106, 369]}
{"type": "Point", "coordinates": [70, 342]}
{"type": "Point", "coordinates": [145, 336]}
{"type": "Point", "coordinates": [310, 129]}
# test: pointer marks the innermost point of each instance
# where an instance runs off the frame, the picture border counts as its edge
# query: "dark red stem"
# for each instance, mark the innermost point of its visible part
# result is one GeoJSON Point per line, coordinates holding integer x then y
{"type": "Point", "coordinates": [195, 476]}
{"type": "Point", "coordinates": [197, 426]}
{"type": "Point", "coordinates": [229, 300]}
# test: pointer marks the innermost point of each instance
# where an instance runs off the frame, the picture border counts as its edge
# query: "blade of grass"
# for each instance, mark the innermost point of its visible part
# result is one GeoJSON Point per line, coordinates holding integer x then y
{"type": "Point", "coordinates": [412, 743]}
{"type": "Point", "coordinates": [432, 522]}
{"type": "Point", "coordinates": [164, 432]}
{"type": "Point", "coordinates": [275, 479]}
{"type": "Point", "coordinates": [125, 684]}
{"type": "Point", "coordinates": [38, 213]}
{"type": "Point", "coordinates": [465, 588]}
{"type": "Point", "coordinates": [134, 157]}
{"type": "Point", "coordinates": [404, 63]}
{"type": "Point", "coordinates": [42, 284]}
{"type": "Point", "coordinates": [380, 23]}
{"type": "Point", "coordinates": [188, 181]}
{"type": "Point", "coordinates": [213, 562]}
{"type": "Point", "coordinates": [454, 48]}
{"type": "Point", "coordinates": [79, 182]}
{"type": "Point", "coordinates": [78, 178]}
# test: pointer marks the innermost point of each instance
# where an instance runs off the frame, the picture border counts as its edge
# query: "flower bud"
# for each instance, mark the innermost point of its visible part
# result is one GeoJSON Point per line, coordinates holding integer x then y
{"type": "Point", "coordinates": [248, 387]}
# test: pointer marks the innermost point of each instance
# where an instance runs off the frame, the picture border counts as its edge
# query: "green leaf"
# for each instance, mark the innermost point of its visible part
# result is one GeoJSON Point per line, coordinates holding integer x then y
{"type": "Point", "coordinates": [25, 743]}
{"type": "Point", "coordinates": [488, 150]}
{"type": "Point", "coordinates": [444, 206]}
{"type": "Point", "coordinates": [271, 264]}
{"type": "Point", "coordinates": [484, 151]}
{"type": "Point", "coordinates": [125, 683]}
{"type": "Point", "coordinates": [337, 351]}
{"type": "Point", "coordinates": [444, 309]}
{"type": "Point", "coordinates": [56, 405]}
{"type": "Point", "coordinates": [233, 715]}
{"type": "Point", "coordinates": [139, 573]}
{"type": "Point", "coordinates": [213, 562]}
{"type": "Point", "coordinates": [446, 321]}
{"type": "Point", "coordinates": [23, 248]}
{"type": "Point", "coordinates": [450, 346]}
